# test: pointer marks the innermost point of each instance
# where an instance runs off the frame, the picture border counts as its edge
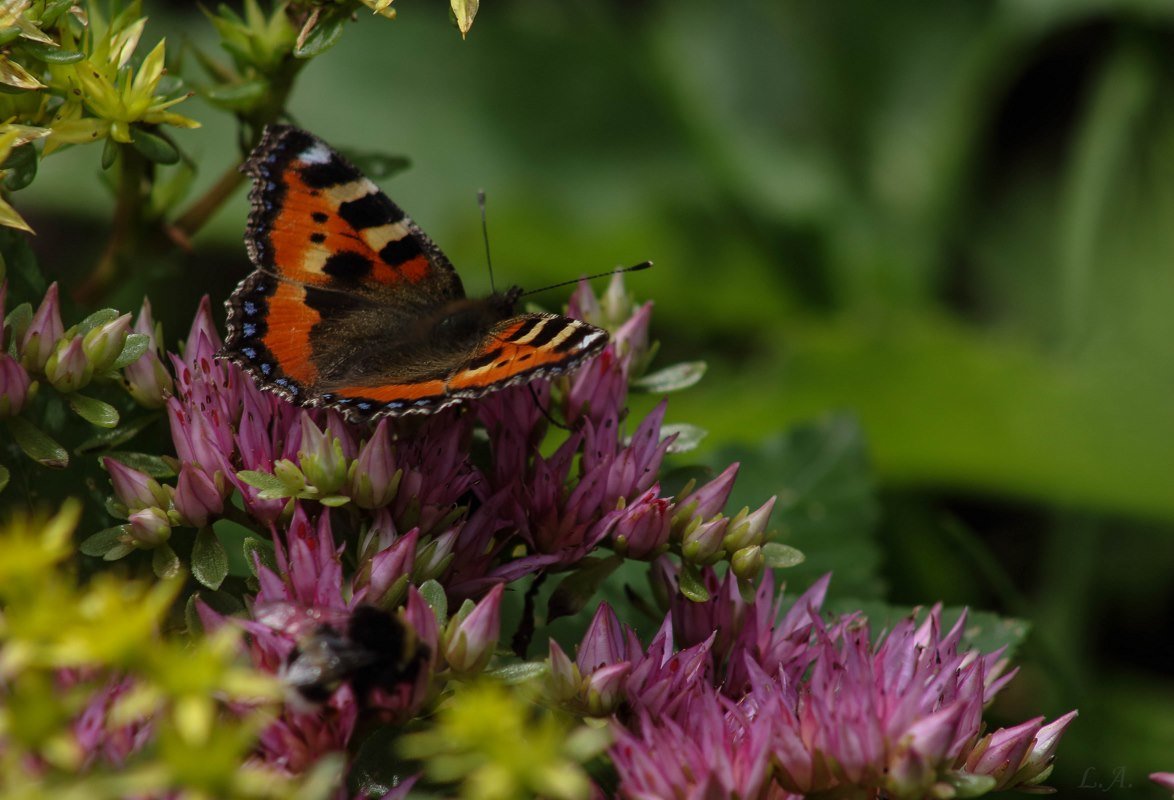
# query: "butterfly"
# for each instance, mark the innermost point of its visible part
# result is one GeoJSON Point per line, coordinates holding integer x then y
{"type": "Point", "coordinates": [351, 306]}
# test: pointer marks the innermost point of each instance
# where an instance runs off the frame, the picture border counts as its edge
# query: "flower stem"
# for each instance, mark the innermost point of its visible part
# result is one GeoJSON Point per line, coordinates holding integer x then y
{"type": "Point", "coordinates": [129, 204]}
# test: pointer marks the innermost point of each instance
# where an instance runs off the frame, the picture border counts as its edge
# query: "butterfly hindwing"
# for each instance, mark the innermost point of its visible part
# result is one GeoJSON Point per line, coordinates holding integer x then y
{"type": "Point", "coordinates": [523, 348]}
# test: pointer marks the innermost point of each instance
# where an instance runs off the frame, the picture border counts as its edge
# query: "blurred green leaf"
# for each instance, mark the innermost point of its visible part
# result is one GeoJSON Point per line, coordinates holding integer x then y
{"type": "Point", "coordinates": [36, 444]}
{"type": "Point", "coordinates": [165, 563]}
{"type": "Point", "coordinates": [671, 379]}
{"type": "Point", "coordinates": [688, 436]}
{"type": "Point", "coordinates": [132, 351]}
{"type": "Point", "coordinates": [691, 585]}
{"type": "Point", "coordinates": [209, 560]}
{"type": "Point", "coordinates": [94, 411]}
{"type": "Point", "coordinates": [154, 147]}
{"type": "Point", "coordinates": [155, 466]}
{"type": "Point", "coordinates": [579, 587]}
{"type": "Point", "coordinates": [827, 505]}
{"type": "Point", "coordinates": [518, 673]}
{"type": "Point", "coordinates": [21, 166]}
{"type": "Point", "coordinates": [781, 556]}
{"type": "Point", "coordinates": [434, 595]}
{"type": "Point", "coordinates": [95, 320]}
{"type": "Point", "coordinates": [116, 436]}
{"type": "Point", "coordinates": [323, 36]}
{"type": "Point", "coordinates": [5, 476]}
{"type": "Point", "coordinates": [259, 550]}
{"type": "Point", "coordinates": [102, 542]}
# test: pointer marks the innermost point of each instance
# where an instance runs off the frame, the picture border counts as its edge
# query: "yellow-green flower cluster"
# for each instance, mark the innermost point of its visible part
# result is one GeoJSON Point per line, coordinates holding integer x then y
{"type": "Point", "coordinates": [67, 648]}
{"type": "Point", "coordinates": [105, 95]}
{"type": "Point", "coordinates": [70, 77]}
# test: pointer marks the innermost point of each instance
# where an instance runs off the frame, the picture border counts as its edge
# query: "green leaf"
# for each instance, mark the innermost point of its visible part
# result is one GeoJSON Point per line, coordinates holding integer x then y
{"type": "Point", "coordinates": [258, 550]}
{"type": "Point", "coordinates": [513, 674]}
{"type": "Point", "coordinates": [967, 785]}
{"type": "Point", "coordinates": [578, 588]}
{"type": "Point", "coordinates": [155, 466]}
{"type": "Point", "coordinates": [164, 562]}
{"type": "Point", "coordinates": [36, 444]}
{"type": "Point", "coordinates": [53, 55]}
{"type": "Point", "coordinates": [5, 476]}
{"type": "Point", "coordinates": [109, 153]}
{"type": "Point", "coordinates": [154, 147]}
{"type": "Point", "coordinates": [671, 379]}
{"type": "Point", "coordinates": [132, 351]}
{"type": "Point", "coordinates": [94, 411]}
{"type": "Point", "coordinates": [781, 556]}
{"type": "Point", "coordinates": [209, 559]}
{"type": "Point", "coordinates": [17, 321]}
{"type": "Point", "coordinates": [102, 542]}
{"type": "Point", "coordinates": [21, 166]}
{"type": "Point", "coordinates": [691, 585]}
{"type": "Point", "coordinates": [688, 436]}
{"type": "Point", "coordinates": [434, 595]}
{"type": "Point", "coordinates": [21, 262]}
{"type": "Point", "coordinates": [242, 96]}
{"type": "Point", "coordinates": [323, 36]}
{"type": "Point", "coordinates": [334, 500]}
{"type": "Point", "coordinates": [116, 436]}
{"type": "Point", "coordinates": [827, 505]}
{"type": "Point", "coordinates": [265, 481]}
{"type": "Point", "coordinates": [95, 320]}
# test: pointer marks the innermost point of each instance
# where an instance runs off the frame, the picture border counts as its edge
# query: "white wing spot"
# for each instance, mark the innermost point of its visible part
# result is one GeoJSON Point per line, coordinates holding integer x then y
{"type": "Point", "coordinates": [318, 154]}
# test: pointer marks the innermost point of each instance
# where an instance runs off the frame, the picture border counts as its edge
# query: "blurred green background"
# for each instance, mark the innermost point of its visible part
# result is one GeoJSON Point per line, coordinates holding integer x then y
{"type": "Point", "coordinates": [950, 222]}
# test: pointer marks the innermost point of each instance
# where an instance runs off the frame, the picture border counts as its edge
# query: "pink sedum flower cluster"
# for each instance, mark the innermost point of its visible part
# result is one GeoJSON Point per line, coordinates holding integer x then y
{"type": "Point", "coordinates": [729, 699]}
{"type": "Point", "coordinates": [728, 702]}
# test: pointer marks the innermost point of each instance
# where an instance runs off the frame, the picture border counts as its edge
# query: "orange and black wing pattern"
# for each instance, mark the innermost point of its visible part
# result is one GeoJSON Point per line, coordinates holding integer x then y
{"type": "Point", "coordinates": [351, 306]}
{"type": "Point", "coordinates": [329, 249]}
{"type": "Point", "coordinates": [515, 350]}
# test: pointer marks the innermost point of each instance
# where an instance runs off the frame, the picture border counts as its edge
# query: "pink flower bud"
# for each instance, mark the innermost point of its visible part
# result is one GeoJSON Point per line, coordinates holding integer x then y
{"type": "Point", "coordinates": [196, 496]}
{"type": "Point", "coordinates": [565, 679]}
{"type": "Point", "coordinates": [68, 369]}
{"type": "Point", "coordinates": [1000, 754]}
{"type": "Point", "coordinates": [321, 458]}
{"type": "Point", "coordinates": [103, 345]}
{"type": "Point", "coordinates": [433, 558]}
{"type": "Point", "coordinates": [702, 542]}
{"type": "Point", "coordinates": [606, 642]}
{"type": "Point", "coordinates": [471, 635]}
{"type": "Point", "coordinates": [707, 501]}
{"type": "Point", "coordinates": [135, 490]}
{"type": "Point", "coordinates": [746, 529]}
{"type": "Point", "coordinates": [147, 380]}
{"type": "Point", "coordinates": [391, 571]}
{"type": "Point", "coordinates": [374, 479]}
{"type": "Point", "coordinates": [604, 689]}
{"type": "Point", "coordinates": [149, 527]}
{"type": "Point", "coordinates": [641, 530]}
{"type": "Point", "coordinates": [40, 339]}
{"type": "Point", "coordinates": [748, 562]}
{"type": "Point", "coordinates": [14, 386]}
{"type": "Point", "coordinates": [1038, 763]}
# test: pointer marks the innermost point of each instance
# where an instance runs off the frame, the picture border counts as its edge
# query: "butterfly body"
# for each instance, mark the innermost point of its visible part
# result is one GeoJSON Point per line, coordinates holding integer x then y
{"type": "Point", "coordinates": [352, 306]}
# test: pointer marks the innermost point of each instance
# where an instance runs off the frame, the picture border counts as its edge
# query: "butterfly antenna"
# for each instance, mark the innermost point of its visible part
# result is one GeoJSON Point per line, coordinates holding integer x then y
{"type": "Point", "coordinates": [545, 412]}
{"type": "Point", "coordinates": [633, 268]}
{"type": "Point", "coordinates": [485, 236]}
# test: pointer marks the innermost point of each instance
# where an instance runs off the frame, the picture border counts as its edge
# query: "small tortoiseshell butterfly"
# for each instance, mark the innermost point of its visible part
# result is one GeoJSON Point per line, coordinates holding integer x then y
{"type": "Point", "coordinates": [353, 307]}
